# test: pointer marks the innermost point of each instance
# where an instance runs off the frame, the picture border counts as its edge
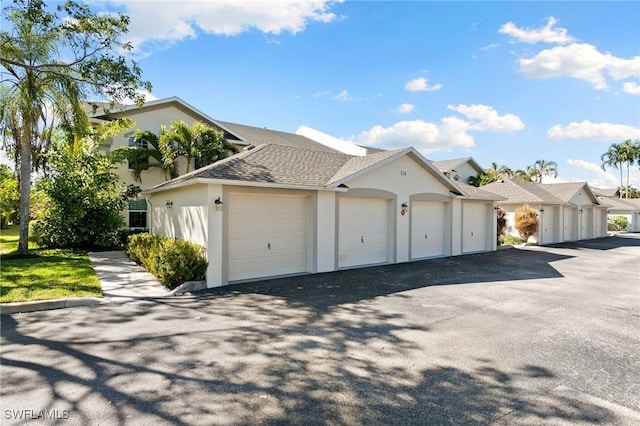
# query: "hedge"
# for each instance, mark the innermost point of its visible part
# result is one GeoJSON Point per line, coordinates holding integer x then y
{"type": "Point", "coordinates": [171, 262]}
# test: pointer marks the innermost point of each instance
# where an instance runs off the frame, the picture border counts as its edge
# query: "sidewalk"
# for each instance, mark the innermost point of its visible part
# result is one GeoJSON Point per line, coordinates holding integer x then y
{"type": "Point", "coordinates": [121, 281]}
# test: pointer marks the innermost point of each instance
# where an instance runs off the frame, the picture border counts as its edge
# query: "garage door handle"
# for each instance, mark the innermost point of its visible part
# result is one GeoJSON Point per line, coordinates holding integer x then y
{"type": "Point", "coordinates": [362, 239]}
{"type": "Point", "coordinates": [269, 246]}
{"type": "Point", "coordinates": [425, 237]}
{"type": "Point", "coordinates": [472, 233]}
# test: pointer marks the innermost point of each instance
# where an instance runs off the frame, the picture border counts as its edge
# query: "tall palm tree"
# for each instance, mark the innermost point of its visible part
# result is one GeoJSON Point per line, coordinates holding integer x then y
{"type": "Point", "coordinates": [199, 144]}
{"type": "Point", "coordinates": [611, 158]}
{"type": "Point", "coordinates": [627, 155]}
{"type": "Point", "coordinates": [545, 168]}
{"type": "Point", "coordinates": [530, 174]}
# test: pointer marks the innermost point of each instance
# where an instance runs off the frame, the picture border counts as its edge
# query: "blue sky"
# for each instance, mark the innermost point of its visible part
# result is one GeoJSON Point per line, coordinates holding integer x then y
{"type": "Point", "coordinates": [510, 82]}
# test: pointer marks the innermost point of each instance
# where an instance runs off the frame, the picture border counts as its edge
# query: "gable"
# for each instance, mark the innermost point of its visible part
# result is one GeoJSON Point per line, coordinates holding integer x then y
{"type": "Point", "coordinates": [581, 198]}
{"type": "Point", "coordinates": [403, 174]}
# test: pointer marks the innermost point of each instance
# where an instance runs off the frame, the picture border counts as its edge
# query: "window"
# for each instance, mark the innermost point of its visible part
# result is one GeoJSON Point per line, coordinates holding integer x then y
{"type": "Point", "coordinates": [140, 144]}
{"type": "Point", "coordinates": [138, 214]}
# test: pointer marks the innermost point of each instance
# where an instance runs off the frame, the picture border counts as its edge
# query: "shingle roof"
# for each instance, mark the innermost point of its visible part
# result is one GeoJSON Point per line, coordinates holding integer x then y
{"type": "Point", "coordinates": [448, 165]}
{"type": "Point", "coordinates": [605, 192]}
{"type": "Point", "coordinates": [356, 164]}
{"type": "Point", "coordinates": [620, 204]}
{"type": "Point", "coordinates": [272, 163]}
{"type": "Point", "coordinates": [258, 136]}
{"type": "Point", "coordinates": [478, 193]}
{"type": "Point", "coordinates": [522, 192]}
{"type": "Point", "coordinates": [565, 191]}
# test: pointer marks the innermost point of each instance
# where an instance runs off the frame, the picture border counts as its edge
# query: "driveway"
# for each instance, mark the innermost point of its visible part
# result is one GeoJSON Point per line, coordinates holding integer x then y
{"type": "Point", "coordinates": [541, 335]}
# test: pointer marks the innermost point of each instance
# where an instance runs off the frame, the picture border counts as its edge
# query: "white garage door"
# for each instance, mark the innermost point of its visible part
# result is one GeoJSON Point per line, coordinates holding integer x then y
{"type": "Point", "coordinates": [548, 225]}
{"type": "Point", "coordinates": [427, 229]}
{"type": "Point", "coordinates": [587, 224]}
{"type": "Point", "coordinates": [362, 238]}
{"type": "Point", "coordinates": [568, 224]}
{"type": "Point", "coordinates": [474, 227]}
{"type": "Point", "coordinates": [267, 236]}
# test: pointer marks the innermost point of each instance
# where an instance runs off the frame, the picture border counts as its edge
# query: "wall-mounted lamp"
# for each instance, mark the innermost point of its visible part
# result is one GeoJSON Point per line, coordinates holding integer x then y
{"type": "Point", "coordinates": [541, 210]}
{"type": "Point", "coordinates": [405, 207]}
{"type": "Point", "coordinates": [218, 203]}
{"type": "Point", "coordinates": [580, 211]}
{"type": "Point", "coordinates": [168, 204]}
{"type": "Point", "coordinates": [496, 208]}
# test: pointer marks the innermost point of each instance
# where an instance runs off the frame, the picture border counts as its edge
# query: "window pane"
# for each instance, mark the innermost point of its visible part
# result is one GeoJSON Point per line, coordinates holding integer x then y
{"type": "Point", "coordinates": [137, 219]}
{"type": "Point", "coordinates": [140, 205]}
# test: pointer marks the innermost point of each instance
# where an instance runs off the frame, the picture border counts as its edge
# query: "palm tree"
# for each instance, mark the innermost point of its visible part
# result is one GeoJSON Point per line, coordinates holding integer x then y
{"type": "Point", "coordinates": [531, 174]}
{"type": "Point", "coordinates": [627, 154]}
{"type": "Point", "coordinates": [199, 144]}
{"type": "Point", "coordinates": [611, 158]}
{"type": "Point", "coordinates": [49, 64]}
{"type": "Point", "coordinates": [145, 154]}
{"type": "Point", "coordinates": [545, 168]}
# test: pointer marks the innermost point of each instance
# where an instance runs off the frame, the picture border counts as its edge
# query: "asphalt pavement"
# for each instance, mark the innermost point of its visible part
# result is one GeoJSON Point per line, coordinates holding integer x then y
{"type": "Point", "coordinates": [535, 335]}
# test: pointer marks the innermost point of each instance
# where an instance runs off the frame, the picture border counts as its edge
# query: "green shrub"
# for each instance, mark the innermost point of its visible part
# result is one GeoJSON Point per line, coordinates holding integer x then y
{"type": "Point", "coordinates": [171, 262]}
{"type": "Point", "coordinates": [140, 247]}
{"type": "Point", "coordinates": [510, 240]}
{"type": "Point", "coordinates": [617, 223]}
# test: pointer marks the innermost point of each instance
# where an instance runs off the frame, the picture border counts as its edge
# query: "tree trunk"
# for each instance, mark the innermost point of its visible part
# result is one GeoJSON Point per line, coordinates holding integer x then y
{"type": "Point", "coordinates": [621, 182]}
{"type": "Point", "coordinates": [25, 189]}
{"type": "Point", "coordinates": [626, 192]}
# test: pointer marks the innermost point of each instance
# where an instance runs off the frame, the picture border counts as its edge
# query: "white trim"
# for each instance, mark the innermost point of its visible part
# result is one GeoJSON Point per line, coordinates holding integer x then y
{"type": "Point", "coordinates": [208, 181]}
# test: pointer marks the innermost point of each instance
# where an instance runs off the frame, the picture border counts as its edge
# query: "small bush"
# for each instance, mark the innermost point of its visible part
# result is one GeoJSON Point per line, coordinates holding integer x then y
{"type": "Point", "coordinates": [172, 262]}
{"type": "Point", "coordinates": [526, 220]}
{"type": "Point", "coordinates": [125, 233]}
{"type": "Point", "coordinates": [501, 219]}
{"type": "Point", "coordinates": [510, 240]}
{"type": "Point", "coordinates": [617, 223]}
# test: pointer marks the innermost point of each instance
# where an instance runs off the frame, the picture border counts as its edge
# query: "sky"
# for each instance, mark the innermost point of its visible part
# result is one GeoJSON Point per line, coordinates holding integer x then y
{"type": "Point", "coordinates": [504, 82]}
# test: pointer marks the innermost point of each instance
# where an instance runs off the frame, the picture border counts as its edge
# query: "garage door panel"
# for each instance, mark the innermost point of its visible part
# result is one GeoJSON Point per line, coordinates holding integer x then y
{"type": "Point", "coordinates": [267, 236]}
{"type": "Point", "coordinates": [474, 228]}
{"type": "Point", "coordinates": [548, 225]}
{"type": "Point", "coordinates": [363, 228]}
{"type": "Point", "coordinates": [427, 229]}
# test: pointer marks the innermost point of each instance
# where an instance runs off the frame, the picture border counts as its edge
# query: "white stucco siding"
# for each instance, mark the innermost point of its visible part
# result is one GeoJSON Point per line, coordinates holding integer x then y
{"type": "Point", "coordinates": [465, 171]}
{"type": "Point", "coordinates": [402, 177]}
{"type": "Point", "coordinates": [570, 224]}
{"type": "Point", "coordinates": [150, 119]}
{"type": "Point", "coordinates": [186, 217]}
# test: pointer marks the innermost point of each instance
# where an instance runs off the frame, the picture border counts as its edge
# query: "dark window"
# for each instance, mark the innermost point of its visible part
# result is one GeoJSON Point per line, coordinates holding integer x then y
{"type": "Point", "coordinates": [138, 214]}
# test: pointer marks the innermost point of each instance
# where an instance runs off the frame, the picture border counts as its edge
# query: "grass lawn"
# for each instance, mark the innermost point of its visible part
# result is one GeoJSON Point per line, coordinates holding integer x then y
{"type": "Point", "coordinates": [43, 274]}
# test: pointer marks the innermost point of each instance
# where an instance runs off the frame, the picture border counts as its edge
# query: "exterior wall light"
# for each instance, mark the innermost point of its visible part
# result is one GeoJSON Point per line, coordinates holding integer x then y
{"type": "Point", "coordinates": [168, 204]}
{"type": "Point", "coordinates": [405, 207]}
{"type": "Point", "coordinates": [218, 203]}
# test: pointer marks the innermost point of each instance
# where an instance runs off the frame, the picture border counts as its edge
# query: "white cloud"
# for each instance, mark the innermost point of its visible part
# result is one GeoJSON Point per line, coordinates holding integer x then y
{"type": "Point", "coordinates": [147, 97]}
{"type": "Point", "coordinates": [404, 108]}
{"type": "Point", "coordinates": [343, 96]}
{"type": "Point", "coordinates": [587, 130]}
{"type": "Point", "coordinates": [581, 61]}
{"type": "Point", "coordinates": [425, 136]}
{"type": "Point", "coordinates": [449, 133]}
{"type": "Point", "coordinates": [483, 117]}
{"type": "Point", "coordinates": [596, 176]}
{"type": "Point", "coordinates": [631, 88]}
{"type": "Point", "coordinates": [321, 94]}
{"type": "Point", "coordinates": [170, 21]}
{"type": "Point", "coordinates": [421, 84]}
{"type": "Point", "coordinates": [545, 34]}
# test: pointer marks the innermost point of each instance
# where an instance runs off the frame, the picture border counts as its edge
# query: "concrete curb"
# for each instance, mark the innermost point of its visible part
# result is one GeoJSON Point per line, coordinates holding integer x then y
{"type": "Point", "coordinates": [188, 287]}
{"type": "Point", "coordinates": [45, 305]}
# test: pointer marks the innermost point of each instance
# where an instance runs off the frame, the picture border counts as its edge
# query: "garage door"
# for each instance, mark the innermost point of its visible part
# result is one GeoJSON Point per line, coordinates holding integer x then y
{"type": "Point", "coordinates": [427, 229]}
{"type": "Point", "coordinates": [548, 225]}
{"type": "Point", "coordinates": [267, 236]}
{"type": "Point", "coordinates": [474, 227]}
{"type": "Point", "coordinates": [362, 237]}
{"type": "Point", "coordinates": [568, 224]}
{"type": "Point", "coordinates": [587, 224]}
